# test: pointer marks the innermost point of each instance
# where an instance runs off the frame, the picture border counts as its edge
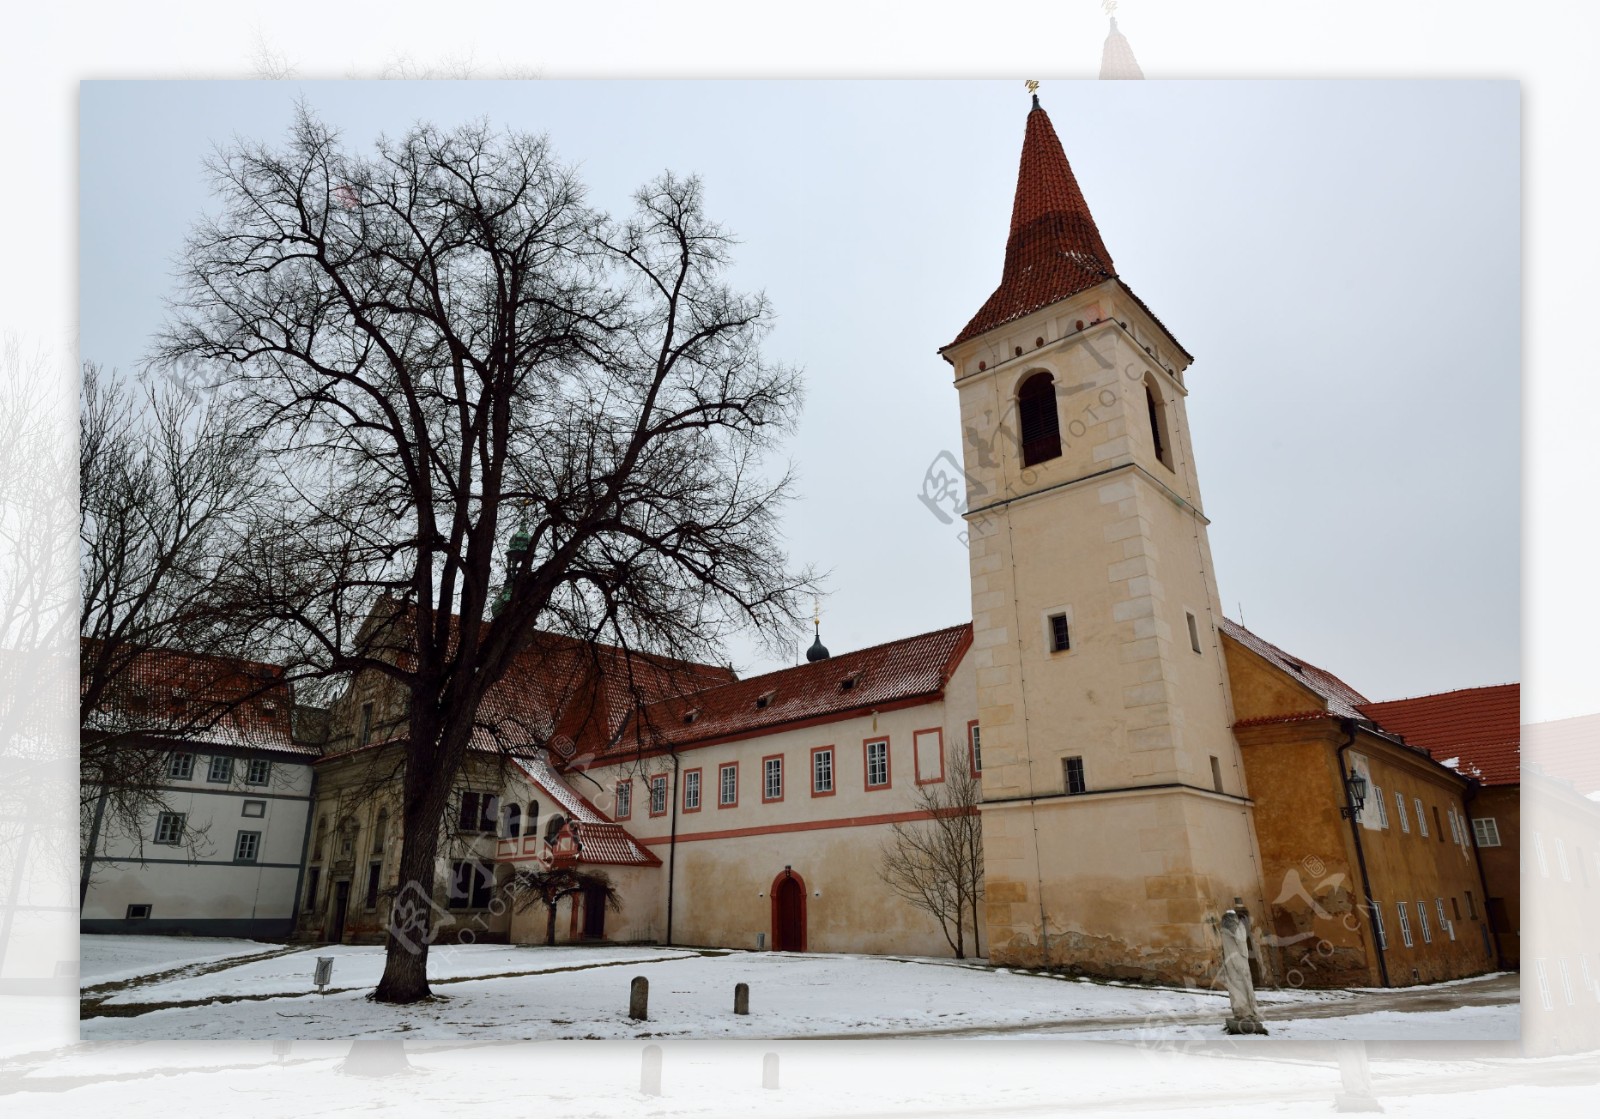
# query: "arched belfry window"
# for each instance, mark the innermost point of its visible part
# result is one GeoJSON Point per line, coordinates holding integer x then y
{"type": "Point", "coordinates": [1037, 416]}
{"type": "Point", "coordinates": [1160, 434]}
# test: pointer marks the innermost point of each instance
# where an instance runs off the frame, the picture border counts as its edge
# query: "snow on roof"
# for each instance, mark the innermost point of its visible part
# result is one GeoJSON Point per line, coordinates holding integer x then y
{"type": "Point", "coordinates": [600, 840]}
{"type": "Point", "coordinates": [1339, 698]}
{"type": "Point", "coordinates": [895, 672]}
{"type": "Point", "coordinates": [202, 699]}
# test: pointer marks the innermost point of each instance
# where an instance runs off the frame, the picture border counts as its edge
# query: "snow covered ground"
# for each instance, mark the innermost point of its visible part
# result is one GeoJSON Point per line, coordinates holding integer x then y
{"type": "Point", "coordinates": [109, 957]}
{"type": "Point", "coordinates": [565, 992]}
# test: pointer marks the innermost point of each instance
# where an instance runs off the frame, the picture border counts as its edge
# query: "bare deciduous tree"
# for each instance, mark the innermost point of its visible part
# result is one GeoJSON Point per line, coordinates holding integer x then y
{"type": "Point", "coordinates": [548, 886]}
{"type": "Point", "coordinates": [443, 344]}
{"type": "Point", "coordinates": [166, 479]}
{"type": "Point", "coordinates": [936, 863]}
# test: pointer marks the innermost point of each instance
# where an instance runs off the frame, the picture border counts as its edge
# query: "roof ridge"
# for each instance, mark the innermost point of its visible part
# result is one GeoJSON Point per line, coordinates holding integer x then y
{"type": "Point", "coordinates": [832, 657]}
{"type": "Point", "coordinates": [1360, 699]}
{"type": "Point", "coordinates": [1447, 692]}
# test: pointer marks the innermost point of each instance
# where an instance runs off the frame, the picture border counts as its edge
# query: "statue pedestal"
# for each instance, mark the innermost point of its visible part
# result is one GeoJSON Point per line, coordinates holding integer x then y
{"type": "Point", "coordinates": [1356, 1102]}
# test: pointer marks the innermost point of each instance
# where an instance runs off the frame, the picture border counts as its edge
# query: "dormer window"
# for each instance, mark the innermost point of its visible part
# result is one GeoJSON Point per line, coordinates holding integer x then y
{"type": "Point", "coordinates": [691, 715]}
{"type": "Point", "coordinates": [1038, 419]}
{"type": "Point", "coordinates": [765, 698]}
{"type": "Point", "coordinates": [850, 682]}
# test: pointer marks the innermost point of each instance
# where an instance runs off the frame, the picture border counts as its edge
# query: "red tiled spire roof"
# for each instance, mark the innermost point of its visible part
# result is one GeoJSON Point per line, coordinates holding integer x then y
{"type": "Point", "coordinates": [1054, 250]}
{"type": "Point", "coordinates": [1116, 59]}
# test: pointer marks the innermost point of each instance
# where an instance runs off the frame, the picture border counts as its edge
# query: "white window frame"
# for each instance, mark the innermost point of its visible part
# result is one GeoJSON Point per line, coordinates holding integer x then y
{"type": "Point", "coordinates": [1566, 982]}
{"type": "Point", "coordinates": [1445, 924]}
{"type": "Point", "coordinates": [250, 778]}
{"type": "Point", "coordinates": [880, 748]}
{"type": "Point", "coordinates": [1538, 850]}
{"type": "Point", "coordinates": [658, 795]}
{"type": "Point", "coordinates": [1066, 775]}
{"type": "Point", "coordinates": [226, 766]}
{"type": "Point", "coordinates": [772, 779]}
{"type": "Point", "coordinates": [822, 770]}
{"type": "Point", "coordinates": [1422, 817]}
{"type": "Point", "coordinates": [1383, 809]}
{"type": "Point", "coordinates": [728, 784]}
{"type": "Point", "coordinates": [250, 838]}
{"type": "Point", "coordinates": [1544, 984]}
{"type": "Point", "coordinates": [183, 772]}
{"type": "Point", "coordinates": [691, 789]}
{"type": "Point", "coordinates": [170, 828]}
{"type": "Point", "coordinates": [1422, 918]}
{"type": "Point", "coordinates": [1405, 924]}
{"type": "Point", "coordinates": [1400, 807]}
{"type": "Point", "coordinates": [1561, 860]}
{"type": "Point", "coordinates": [1486, 831]}
{"type": "Point", "coordinates": [624, 799]}
{"type": "Point", "coordinates": [1376, 910]}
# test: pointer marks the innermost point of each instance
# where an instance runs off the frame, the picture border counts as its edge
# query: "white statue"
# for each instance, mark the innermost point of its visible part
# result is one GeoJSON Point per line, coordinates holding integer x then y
{"type": "Point", "coordinates": [1245, 1017]}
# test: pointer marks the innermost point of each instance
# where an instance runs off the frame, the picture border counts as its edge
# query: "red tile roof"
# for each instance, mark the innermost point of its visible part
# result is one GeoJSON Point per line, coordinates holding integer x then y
{"type": "Point", "coordinates": [1568, 749]}
{"type": "Point", "coordinates": [1476, 731]}
{"type": "Point", "coordinates": [1339, 698]}
{"type": "Point", "coordinates": [895, 673]}
{"type": "Point", "coordinates": [1054, 249]}
{"type": "Point", "coordinates": [202, 699]}
{"type": "Point", "coordinates": [600, 840]}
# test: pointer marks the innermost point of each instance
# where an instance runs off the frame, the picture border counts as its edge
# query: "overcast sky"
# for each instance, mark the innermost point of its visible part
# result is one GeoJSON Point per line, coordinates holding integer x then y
{"type": "Point", "coordinates": [1341, 257]}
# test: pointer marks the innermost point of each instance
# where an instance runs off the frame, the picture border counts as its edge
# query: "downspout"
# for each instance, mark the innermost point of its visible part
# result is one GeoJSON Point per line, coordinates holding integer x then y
{"type": "Point", "coordinates": [1349, 728]}
{"type": "Point", "coordinates": [1474, 787]}
{"type": "Point", "coordinates": [672, 844]}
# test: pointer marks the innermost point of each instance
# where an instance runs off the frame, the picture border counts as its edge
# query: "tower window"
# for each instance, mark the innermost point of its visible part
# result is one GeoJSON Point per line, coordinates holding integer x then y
{"type": "Point", "coordinates": [1072, 775]}
{"type": "Point", "coordinates": [1216, 769]}
{"type": "Point", "coordinates": [1194, 632]}
{"type": "Point", "coordinates": [1060, 637]}
{"type": "Point", "coordinates": [1040, 423]}
{"type": "Point", "coordinates": [1160, 438]}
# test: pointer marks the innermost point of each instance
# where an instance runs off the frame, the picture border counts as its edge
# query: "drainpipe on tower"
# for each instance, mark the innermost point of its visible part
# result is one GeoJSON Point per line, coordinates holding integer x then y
{"type": "Point", "coordinates": [1349, 728]}
{"type": "Point", "coordinates": [672, 844]}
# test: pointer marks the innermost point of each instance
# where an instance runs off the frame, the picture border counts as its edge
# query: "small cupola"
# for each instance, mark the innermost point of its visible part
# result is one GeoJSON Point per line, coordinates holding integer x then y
{"type": "Point", "coordinates": [818, 651]}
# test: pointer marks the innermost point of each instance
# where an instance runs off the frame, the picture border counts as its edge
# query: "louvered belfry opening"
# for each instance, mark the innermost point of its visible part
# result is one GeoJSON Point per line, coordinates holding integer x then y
{"type": "Point", "coordinates": [1037, 417]}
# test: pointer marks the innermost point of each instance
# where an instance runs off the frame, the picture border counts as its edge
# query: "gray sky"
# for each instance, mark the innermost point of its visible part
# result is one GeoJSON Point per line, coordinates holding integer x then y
{"type": "Point", "coordinates": [1341, 257]}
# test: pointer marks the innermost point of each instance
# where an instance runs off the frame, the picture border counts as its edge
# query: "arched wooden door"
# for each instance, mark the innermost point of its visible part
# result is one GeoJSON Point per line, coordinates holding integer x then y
{"type": "Point", "coordinates": [789, 913]}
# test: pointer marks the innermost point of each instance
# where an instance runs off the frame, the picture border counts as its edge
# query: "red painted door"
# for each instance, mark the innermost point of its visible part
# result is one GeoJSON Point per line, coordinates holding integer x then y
{"type": "Point", "coordinates": [789, 934]}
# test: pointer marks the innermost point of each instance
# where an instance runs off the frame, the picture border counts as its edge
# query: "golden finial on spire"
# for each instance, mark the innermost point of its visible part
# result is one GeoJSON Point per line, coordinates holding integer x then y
{"type": "Point", "coordinates": [1033, 86]}
{"type": "Point", "coordinates": [1110, 7]}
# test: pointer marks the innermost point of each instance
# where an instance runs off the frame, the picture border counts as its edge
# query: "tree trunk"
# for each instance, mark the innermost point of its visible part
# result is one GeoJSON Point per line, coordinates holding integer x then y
{"type": "Point", "coordinates": [550, 923]}
{"type": "Point", "coordinates": [405, 970]}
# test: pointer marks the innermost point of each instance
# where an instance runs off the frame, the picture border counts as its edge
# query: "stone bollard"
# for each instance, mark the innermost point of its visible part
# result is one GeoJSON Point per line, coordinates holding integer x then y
{"type": "Point", "coordinates": [741, 999]}
{"type": "Point", "coordinates": [650, 1071]}
{"type": "Point", "coordinates": [769, 1071]}
{"type": "Point", "coordinates": [639, 999]}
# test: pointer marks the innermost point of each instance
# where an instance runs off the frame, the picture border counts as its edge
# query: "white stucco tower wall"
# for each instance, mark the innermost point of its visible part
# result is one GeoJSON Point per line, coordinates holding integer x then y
{"type": "Point", "coordinates": [1129, 875]}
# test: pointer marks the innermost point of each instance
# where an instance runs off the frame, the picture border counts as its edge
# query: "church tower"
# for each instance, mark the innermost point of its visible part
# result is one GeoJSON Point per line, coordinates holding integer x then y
{"type": "Point", "coordinates": [1116, 823]}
